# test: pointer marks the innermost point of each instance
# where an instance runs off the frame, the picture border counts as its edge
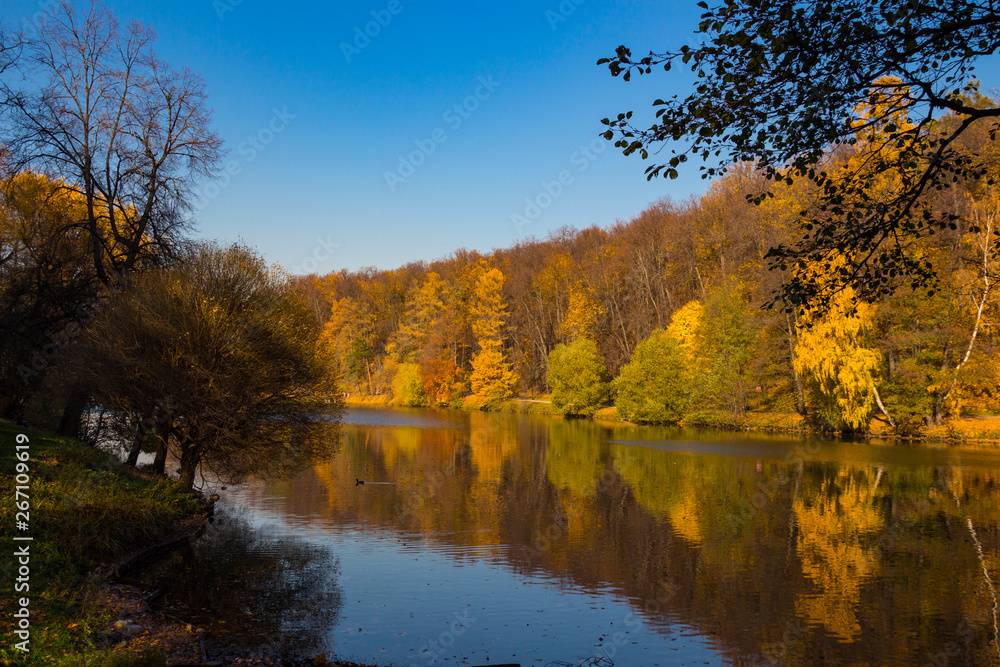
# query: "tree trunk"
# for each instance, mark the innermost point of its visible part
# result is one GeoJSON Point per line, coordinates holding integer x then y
{"type": "Point", "coordinates": [72, 415]}
{"type": "Point", "coordinates": [189, 465]}
{"type": "Point", "coordinates": [140, 437]}
{"type": "Point", "coordinates": [980, 306]}
{"type": "Point", "coordinates": [937, 414]}
{"type": "Point", "coordinates": [881, 406]}
{"type": "Point", "coordinates": [162, 442]}
{"type": "Point", "coordinates": [800, 392]}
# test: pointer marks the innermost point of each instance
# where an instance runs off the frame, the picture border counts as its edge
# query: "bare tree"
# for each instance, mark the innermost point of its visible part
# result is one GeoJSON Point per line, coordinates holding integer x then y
{"type": "Point", "coordinates": [9, 47]}
{"type": "Point", "coordinates": [117, 125]}
{"type": "Point", "coordinates": [97, 111]}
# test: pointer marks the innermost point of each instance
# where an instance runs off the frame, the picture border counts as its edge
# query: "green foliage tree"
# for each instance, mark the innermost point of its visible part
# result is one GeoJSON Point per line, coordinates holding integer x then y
{"type": "Point", "coordinates": [697, 269]}
{"type": "Point", "coordinates": [725, 349]}
{"type": "Point", "coordinates": [408, 385]}
{"type": "Point", "coordinates": [654, 386]}
{"type": "Point", "coordinates": [577, 377]}
{"type": "Point", "coordinates": [789, 84]}
{"type": "Point", "coordinates": [224, 347]}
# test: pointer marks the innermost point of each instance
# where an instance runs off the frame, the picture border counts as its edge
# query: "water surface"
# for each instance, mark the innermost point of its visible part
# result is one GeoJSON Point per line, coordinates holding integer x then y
{"type": "Point", "coordinates": [486, 538]}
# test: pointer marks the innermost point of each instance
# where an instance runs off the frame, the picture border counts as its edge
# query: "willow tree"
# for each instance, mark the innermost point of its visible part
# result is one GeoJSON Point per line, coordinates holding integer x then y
{"type": "Point", "coordinates": [223, 353]}
{"type": "Point", "coordinates": [840, 370]}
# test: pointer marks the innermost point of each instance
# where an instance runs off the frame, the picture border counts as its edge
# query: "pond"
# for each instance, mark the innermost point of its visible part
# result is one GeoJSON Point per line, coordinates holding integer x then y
{"type": "Point", "coordinates": [483, 538]}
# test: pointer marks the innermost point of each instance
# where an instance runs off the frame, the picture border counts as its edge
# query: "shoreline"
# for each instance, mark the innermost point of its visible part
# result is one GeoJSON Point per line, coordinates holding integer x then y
{"type": "Point", "coordinates": [972, 431]}
{"type": "Point", "coordinates": [92, 519]}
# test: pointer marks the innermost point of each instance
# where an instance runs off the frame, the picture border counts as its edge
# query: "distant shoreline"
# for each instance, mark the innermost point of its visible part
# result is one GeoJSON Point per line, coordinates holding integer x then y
{"type": "Point", "coordinates": [979, 431]}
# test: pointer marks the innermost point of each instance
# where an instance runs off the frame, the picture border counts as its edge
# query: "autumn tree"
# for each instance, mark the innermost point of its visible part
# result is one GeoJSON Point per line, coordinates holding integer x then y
{"type": "Point", "coordinates": [46, 282]}
{"type": "Point", "coordinates": [577, 377]}
{"type": "Point", "coordinates": [780, 83]}
{"type": "Point", "coordinates": [841, 371]}
{"type": "Point", "coordinates": [491, 376]}
{"type": "Point", "coordinates": [223, 351]}
{"type": "Point", "coordinates": [424, 303]}
{"type": "Point", "coordinates": [119, 126]}
{"type": "Point", "coordinates": [443, 357]}
{"type": "Point", "coordinates": [407, 386]}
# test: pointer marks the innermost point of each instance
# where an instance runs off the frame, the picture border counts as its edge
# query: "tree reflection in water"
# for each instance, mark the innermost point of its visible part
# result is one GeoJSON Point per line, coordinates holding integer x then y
{"type": "Point", "coordinates": [250, 584]}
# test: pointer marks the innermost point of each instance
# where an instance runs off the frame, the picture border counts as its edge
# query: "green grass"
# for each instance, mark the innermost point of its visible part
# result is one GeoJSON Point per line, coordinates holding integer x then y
{"type": "Point", "coordinates": [87, 510]}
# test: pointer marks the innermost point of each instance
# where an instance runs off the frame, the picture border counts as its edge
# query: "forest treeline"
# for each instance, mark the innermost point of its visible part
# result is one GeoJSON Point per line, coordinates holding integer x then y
{"type": "Point", "coordinates": [673, 313]}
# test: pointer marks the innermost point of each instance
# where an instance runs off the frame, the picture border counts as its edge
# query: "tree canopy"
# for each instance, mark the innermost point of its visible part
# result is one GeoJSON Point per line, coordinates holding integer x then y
{"type": "Point", "coordinates": [792, 86]}
{"type": "Point", "coordinates": [578, 378]}
{"type": "Point", "coordinates": [225, 354]}
{"type": "Point", "coordinates": [655, 386]}
{"type": "Point", "coordinates": [89, 103]}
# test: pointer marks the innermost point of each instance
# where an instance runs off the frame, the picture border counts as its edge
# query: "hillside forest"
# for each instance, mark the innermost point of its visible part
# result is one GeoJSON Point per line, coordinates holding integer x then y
{"type": "Point", "coordinates": [674, 314]}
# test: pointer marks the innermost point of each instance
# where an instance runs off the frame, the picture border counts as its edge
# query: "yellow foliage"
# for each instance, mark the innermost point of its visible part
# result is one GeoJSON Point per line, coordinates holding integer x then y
{"type": "Point", "coordinates": [684, 325]}
{"type": "Point", "coordinates": [492, 376]}
{"type": "Point", "coordinates": [581, 315]}
{"type": "Point", "coordinates": [829, 353]}
{"type": "Point", "coordinates": [832, 528]}
{"type": "Point", "coordinates": [488, 309]}
{"type": "Point", "coordinates": [425, 304]}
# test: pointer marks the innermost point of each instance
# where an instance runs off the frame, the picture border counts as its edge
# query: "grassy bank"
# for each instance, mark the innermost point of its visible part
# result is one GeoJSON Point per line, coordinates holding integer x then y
{"type": "Point", "coordinates": [87, 510]}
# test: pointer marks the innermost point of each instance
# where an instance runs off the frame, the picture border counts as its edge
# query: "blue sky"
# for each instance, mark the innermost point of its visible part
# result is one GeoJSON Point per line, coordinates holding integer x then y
{"type": "Point", "coordinates": [428, 133]}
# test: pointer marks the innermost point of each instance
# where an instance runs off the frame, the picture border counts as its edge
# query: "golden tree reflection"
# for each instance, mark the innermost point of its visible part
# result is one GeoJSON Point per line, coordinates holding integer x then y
{"type": "Point", "coordinates": [832, 528]}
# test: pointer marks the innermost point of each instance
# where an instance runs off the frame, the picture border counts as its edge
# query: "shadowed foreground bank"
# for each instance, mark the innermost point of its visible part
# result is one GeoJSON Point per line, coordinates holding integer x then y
{"type": "Point", "coordinates": [89, 513]}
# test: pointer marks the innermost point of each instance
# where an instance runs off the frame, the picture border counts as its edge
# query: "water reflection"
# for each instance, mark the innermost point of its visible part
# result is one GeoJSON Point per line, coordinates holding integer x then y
{"type": "Point", "coordinates": [726, 549]}
{"type": "Point", "coordinates": [251, 583]}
